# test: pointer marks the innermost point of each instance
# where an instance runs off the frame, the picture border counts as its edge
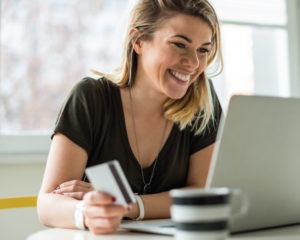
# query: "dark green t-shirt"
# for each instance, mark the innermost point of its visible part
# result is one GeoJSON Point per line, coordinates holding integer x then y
{"type": "Point", "coordinates": [92, 117]}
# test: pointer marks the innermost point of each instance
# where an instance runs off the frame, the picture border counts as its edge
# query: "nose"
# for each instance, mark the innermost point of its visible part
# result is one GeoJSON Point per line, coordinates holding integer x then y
{"type": "Point", "coordinates": [191, 60]}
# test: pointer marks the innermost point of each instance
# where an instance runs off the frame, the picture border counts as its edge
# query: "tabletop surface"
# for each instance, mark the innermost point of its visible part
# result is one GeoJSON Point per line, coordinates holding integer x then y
{"type": "Point", "coordinates": [284, 233]}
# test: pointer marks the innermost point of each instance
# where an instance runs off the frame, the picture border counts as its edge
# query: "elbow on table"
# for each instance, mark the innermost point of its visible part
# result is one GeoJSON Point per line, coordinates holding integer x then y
{"type": "Point", "coordinates": [43, 209]}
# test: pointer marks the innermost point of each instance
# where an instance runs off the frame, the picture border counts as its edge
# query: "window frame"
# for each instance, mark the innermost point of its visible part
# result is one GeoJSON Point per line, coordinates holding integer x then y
{"type": "Point", "coordinates": [29, 147]}
{"type": "Point", "coordinates": [293, 17]}
{"type": "Point", "coordinates": [24, 147]}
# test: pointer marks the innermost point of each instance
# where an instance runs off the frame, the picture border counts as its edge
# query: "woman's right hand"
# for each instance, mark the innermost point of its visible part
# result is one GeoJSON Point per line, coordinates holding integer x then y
{"type": "Point", "coordinates": [101, 215]}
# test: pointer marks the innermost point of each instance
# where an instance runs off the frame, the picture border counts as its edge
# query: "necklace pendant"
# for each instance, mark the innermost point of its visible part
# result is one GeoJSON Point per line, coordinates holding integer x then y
{"type": "Point", "coordinates": [145, 188]}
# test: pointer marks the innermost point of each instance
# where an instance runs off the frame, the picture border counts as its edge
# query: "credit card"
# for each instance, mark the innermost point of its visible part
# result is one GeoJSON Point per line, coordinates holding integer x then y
{"type": "Point", "coordinates": [109, 178]}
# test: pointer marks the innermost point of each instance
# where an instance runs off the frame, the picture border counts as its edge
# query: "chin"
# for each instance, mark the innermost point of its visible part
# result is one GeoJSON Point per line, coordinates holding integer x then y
{"type": "Point", "coordinates": [176, 94]}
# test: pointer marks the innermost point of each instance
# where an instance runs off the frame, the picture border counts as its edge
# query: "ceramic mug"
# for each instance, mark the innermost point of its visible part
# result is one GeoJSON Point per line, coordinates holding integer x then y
{"type": "Point", "coordinates": [205, 213]}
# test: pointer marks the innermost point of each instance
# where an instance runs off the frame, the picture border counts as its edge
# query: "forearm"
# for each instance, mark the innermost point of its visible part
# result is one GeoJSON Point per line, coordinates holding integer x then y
{"type": "Point", "coordinates": [155, 205]}
{"type": "Point", "coordinates": [55, 210]}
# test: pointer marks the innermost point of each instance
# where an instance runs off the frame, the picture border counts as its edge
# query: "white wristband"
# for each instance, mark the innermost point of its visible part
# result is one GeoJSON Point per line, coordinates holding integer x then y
{"type": "Point", "coordinates": [78, 216]}
{"type": "Point", "coordinates": [141, 207]}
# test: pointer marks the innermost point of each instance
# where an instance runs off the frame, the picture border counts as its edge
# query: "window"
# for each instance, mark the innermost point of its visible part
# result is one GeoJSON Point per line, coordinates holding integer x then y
{"type": "Point", "coordinates": [255, 48]}
{"type": "Point", "coordinates": [48, 45]}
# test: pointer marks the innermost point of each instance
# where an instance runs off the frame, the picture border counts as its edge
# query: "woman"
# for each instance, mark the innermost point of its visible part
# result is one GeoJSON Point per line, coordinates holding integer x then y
{"type": "Point", "coordinates": [157, 115]}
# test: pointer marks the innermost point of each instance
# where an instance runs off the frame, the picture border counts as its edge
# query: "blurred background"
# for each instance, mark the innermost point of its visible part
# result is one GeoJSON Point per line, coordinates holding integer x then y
{"type": "Point", "coordinates": [49, 45]}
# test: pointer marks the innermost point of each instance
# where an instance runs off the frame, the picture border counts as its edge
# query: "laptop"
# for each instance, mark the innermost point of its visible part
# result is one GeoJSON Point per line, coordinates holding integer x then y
{"type": "Point", "coordinates": [258, 152]}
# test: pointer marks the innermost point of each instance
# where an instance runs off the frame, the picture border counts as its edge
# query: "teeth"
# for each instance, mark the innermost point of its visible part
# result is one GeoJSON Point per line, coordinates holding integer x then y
{"type": "Point", "coordinates": [181, 76]}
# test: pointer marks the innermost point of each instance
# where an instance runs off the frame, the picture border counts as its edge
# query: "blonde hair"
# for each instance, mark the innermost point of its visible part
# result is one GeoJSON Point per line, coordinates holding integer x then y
{"type": "Point", "coordinates": [196, 107]}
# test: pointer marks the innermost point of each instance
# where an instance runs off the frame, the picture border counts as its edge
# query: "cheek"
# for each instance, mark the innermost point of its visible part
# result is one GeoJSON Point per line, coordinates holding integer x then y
{"type": "Point", "coordinates": [162, 60]}
{"type": "Point", "coordinates": [167, 57]}
{"type": "Point", "coordinates": [202, 67]}
{"type": "Point", "coordinates": [203, 62]}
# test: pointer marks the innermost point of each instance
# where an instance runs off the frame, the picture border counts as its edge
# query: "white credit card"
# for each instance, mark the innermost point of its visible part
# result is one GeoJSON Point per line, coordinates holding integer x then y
{"type": "Point", "coordinates": [109, 178]}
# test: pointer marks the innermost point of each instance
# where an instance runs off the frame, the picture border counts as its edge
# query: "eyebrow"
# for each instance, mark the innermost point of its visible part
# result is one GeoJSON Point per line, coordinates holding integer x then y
{"type": "Point", "coordinates": [189, 40]}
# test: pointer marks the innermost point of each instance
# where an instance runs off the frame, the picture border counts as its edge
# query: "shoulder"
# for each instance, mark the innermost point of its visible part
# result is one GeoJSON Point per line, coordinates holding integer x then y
{"type": "Point", "coordinates": [93, 88]}
{"type": "Point", "coordinates": [90, 84]}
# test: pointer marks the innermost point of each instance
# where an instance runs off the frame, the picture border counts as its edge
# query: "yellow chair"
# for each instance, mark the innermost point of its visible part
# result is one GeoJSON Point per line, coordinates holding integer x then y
{"type": "Point", "coordinates": [18, 202]}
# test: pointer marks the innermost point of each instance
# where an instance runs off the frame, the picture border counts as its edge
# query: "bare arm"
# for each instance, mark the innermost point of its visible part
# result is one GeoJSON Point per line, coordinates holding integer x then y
{"type": "Point", "coordinates": [158, 205]}
{"type": "Point", "coordinates": [67, 162]}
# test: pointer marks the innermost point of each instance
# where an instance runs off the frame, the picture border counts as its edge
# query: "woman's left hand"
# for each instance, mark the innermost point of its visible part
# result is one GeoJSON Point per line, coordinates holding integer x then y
{"type": "Point", "coordinates": [75, 189]}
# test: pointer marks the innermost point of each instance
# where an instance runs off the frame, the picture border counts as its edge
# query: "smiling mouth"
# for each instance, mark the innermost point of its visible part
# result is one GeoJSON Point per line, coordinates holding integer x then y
{"type": "Point", "coordinates": [180, 76]}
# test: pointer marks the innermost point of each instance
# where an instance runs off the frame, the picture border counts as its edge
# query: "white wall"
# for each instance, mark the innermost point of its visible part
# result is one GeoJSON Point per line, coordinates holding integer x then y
{"type": "Point", "coordinates": [20, 175]}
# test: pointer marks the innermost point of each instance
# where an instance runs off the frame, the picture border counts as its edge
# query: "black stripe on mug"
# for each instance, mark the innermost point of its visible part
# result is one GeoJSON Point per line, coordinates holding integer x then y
{"type": "Point", "coordinates": [203, 226]}
{"type": "Point", "coordinates": [203, 200]}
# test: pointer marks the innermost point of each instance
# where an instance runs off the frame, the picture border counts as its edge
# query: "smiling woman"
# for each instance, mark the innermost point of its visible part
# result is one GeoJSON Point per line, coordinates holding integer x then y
{"type": "Point", "coordinates": [157, 114]}
{"type": "Point", "coordinates": [175, 55]}
{"type": "Point", "coordinates": [45, 49]}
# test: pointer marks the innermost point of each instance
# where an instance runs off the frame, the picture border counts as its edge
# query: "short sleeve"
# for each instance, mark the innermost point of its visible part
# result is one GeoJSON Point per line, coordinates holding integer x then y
{"type": "Point", "coordinates": [209, 134]}
{"type": "Point", "coordinates": [76, 117]}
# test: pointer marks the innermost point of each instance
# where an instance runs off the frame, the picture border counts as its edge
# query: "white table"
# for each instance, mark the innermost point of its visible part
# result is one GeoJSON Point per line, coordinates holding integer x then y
{"type": "Point", "coordinates": [285, 233]}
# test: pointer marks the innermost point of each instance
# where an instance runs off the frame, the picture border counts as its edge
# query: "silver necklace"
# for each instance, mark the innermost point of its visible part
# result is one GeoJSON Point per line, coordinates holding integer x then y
{"type": "Point", "coordinates": [146, 185]}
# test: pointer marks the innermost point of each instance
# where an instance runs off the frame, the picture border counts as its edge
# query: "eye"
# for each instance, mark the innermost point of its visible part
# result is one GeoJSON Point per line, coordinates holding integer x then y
{"type": "Point", "coordinates": [179, 45]}
{"type": "Point", "coordinates": [203, 50]}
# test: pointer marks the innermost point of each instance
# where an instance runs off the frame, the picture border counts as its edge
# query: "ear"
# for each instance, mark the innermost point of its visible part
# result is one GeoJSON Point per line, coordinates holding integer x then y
{"type": "Point", "coordinates": [135, 41]}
